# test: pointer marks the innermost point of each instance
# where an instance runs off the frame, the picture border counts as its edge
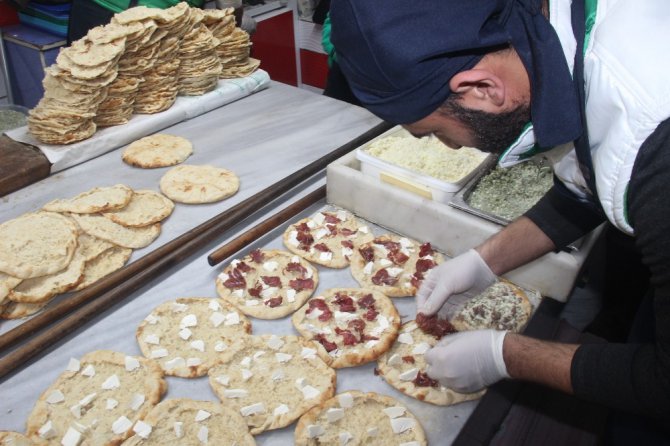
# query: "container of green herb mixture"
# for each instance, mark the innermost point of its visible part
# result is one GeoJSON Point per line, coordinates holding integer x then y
{"type": "Point", "coordinates": [12, 116]}
{"type": "Point", "coordinates": [509, 192]}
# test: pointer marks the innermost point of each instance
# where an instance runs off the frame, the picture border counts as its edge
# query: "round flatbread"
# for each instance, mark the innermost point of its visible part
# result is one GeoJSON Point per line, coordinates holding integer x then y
{"type": "Point", "coordinates": [90, 247]}
{"type": "Point", "coordinates": [502, 306]}
{"type": "Point", "coordinates": [267, 284]}
{"type": "Point", "coordinates": [359, 418]}
{"type": "Point", "coordinates": [99, 199]}
{"type": "Point", "coordinates": [97, 400]}
{"type": "Point", "coordinates": [37, 244]}
{"type": "Point", "coordinates": [393, 265]}
{"type": "Point", "coordinates": [351, 326]}
{"type": "Point", "coordinates": [7, 284]}
{"type": "Point", "coordinates": [404, 367]}
{"type": "Point", "coordinates": [157, 150]}
{"type": "Point", "coordinates": [327, 238]}
{"type": "Point", "coordinates": [272, 380]}
{"type": "Point", "coordinates": [99, 226]}
{"type": "Point", "coordinates": [191, 423]}
{"type": "Point", "coordinates": [145, 208]}
{"type": "Point", "coordinates": [103, 264]}
{"type": "Point", "coordinates": [199, 184]}
{"type": "Point", "coordinates": [186, 336]}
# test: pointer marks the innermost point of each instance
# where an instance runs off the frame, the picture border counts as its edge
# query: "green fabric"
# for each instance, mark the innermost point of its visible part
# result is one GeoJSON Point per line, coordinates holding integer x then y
{"type": "Point", "coordinates": [121, 5]}
{"type": "Point", "coordinates": [591, 8]}
{"type": "Point", "coordinates": [325, 40]}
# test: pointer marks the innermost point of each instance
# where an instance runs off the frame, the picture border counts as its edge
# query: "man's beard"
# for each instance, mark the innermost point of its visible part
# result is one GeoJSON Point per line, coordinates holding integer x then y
{"type": "Point", "coordinates": [493, 132]}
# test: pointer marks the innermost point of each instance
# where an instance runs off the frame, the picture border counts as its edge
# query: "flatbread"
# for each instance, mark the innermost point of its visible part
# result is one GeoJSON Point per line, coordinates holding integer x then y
{"type": "Point", "coordinates": [99, 226]}
{"type": "Point", "coordinates": [351, 326]}
{"type": "Point", "coordinates": [191, 423]}
{"type": "Point", "coordinates": [8, 438]}
{"type": "Point", "coordinates": [159, 150]}
{"type": "Point", "coordinates": [90, 247]}
{"type": "Point", "coordinates": [404, 367]}
{"type": "Point", "coordinates": [327, 238]}
{"type": "Point", "coordinates": [145, 208]}
{"type": "Point", "coordinates": [502, 306]}
{"type": "Point", "coordinates": [272, 380]}
{"type": "Point", "coordinates": [359, 418]}
{"type": "Point", "coordinates": [186, 336]}
{"type": "Point", "coordinates": [199, 184]}
{"type": "Point", "coordinates": [18, 310]}
{"type": "Point", "coordinates": [267, 284]}
{"type": "Point", "coordinates": [99, 199]}
{"type": "Point", "coordinates": [99, 397]}
{"type": "Point", "coordinates": [393, 265]}
{"type": "Point", "coordinates": [36, 244]}
{"type": "Point", "coordinates": [7, 284]}
{"type": "Point", "coordinates": [103, 264]}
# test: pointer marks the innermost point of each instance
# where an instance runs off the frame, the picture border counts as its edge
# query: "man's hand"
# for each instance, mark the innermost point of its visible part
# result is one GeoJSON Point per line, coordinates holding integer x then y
{"type": "Point", "coordinates": [468, 361]}
{"type": "Point", "coordinates": [467, 273]}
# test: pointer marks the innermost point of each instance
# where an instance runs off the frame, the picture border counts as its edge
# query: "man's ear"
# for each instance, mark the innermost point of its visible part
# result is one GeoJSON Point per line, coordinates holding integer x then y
{"type": "Point", "coordinates": [479, 85]}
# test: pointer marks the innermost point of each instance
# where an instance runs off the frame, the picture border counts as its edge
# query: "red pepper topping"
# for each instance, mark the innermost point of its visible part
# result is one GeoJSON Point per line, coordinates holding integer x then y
{"type": "Point", "coordinates": [398, 257]}
{"type": "Point", "coordinates": [273, 302]}
{"type": "Point", "coordinates": [257, 256]}
{"type": "Point", "coordinates": [243, 267]}
{"type": "Point", "coordinates": [347, 232]}
{"type": "Point", "coordinates": [305, 239]}
{"type": "Point", "coordinates": [329, 346]}
{"type": "Point", "coordinates": [423, 265]}
{"type": "Point", "coordinates": [383, 278]}
{"type": "Point", "coordinates": [388, 244]}
{"type": "Point", "coordinates": [416, 279]}
{"type": "Point", "coordinates": [426, 250]}
{"type": "Point", "coordinates": [332, 229]}
{"type": "Point", "coordinates": [368, 253]}
{"type": "Point", "coordinates": [345, 302]}
{"type": "Point", "coordinates": [301, 284]}
{"type": "Point", "coordinates": [433, 325]}
{"type": "Point", "coordinates": [367, 337]}
{"type": "Point", "coordinates": [235, 280]}
{"type": "Point", "coordinates": [367, 301]}
{"type": "Point", "coordinates": [322, 247]}
{"type": "Point", "coordinates": [302, 227]}
{"type": "Point", "coordinates": [330, 218]}
{"type": "Point", "coordinates": [320, 304]}
{"type": "Point", "coordinates": [371, 314]}
{"type": "Point", "coordinates": [256, 290]}
{"type": "Point", "coordinates": [357, 325]}
{"type": "Point", "coordinates": [347, 244]}
{"type": "Point", "coordinates": [347, 336]}
{"type": "Point", "coordinates": [423, 380]}
{"type": "Point", "coordinates": [408, 359]}
{"type": "Point", "coordinates": [274, 281]}
{"type": "Point", "coordinates": [296, 268]}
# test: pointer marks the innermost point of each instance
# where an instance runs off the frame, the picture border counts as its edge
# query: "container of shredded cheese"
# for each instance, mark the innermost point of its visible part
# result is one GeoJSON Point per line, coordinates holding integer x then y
{"type": "Point", "coordinates": [423, 166]}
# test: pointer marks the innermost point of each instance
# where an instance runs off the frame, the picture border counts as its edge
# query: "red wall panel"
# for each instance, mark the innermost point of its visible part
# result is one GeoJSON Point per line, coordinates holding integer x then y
{"type": "Point", "coordinates": [274, 45]}
{"type": "Point", "coordinates": [313, 68]}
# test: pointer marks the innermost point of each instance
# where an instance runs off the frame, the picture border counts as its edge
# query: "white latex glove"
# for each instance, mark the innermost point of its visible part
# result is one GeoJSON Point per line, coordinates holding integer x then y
{"type": "Point", "coordinates": [465, 274]}
{"type": "Point", "coordinates": [469, 360]}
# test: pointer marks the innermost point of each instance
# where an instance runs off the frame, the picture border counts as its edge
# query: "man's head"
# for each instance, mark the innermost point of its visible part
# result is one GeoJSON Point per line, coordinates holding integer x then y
{"type": "Point", "coordinates": [447, 64]}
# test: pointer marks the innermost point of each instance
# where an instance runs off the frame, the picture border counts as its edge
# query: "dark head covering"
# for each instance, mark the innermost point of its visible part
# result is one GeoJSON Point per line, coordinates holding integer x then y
{"type": "Point", "coordinates": [399, 55]}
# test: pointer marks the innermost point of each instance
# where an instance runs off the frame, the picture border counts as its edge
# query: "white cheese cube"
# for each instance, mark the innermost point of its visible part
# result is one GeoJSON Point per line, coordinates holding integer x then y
{"type": "Point", "coordinates": [177, 426]}
{"type": "Point", "coordinates": [179, 308]}
{"type": "Point", "coordinates": [142, 429]}
{"type": "Point", "coordinates": [246, 362]}
{"type": "Point", "coordinates": [89, 371]}
{"type": "Point", "coordinates": [252, 409]}
{"type": "Point", "coordinates": [193, 362]}
{"type": "Point", "coordinates": [385, 263]}
{"type": "Point", "coordinates": [345, 437]}
{"type": "Point", "coordinates": [315, 430]}
{"type": "Point", "coordinates": [232, 318]}
{"type": "Point", "coordinates": [308, 353]}
{"type": "Point", "coordinates": [280, 410]}
{"type": "Point", "coordinates": [293, 238]}
{"type": "Point", "coordinates": [394, 411]}
{"type": "Point", "coordinates": [251, 302]}
{"type": "Point", "coordinates": [214, 305]}
{"type": "Point", "coordinates": [238, 293]}
{"type": "Point", "coordinates": [318, 218]}
{"type": "Point", "coordinates": [409, 375]}
{"type": "Point", "coordinates": [224, 380]}
{"type": "Point", "coordinates": [277, 375]}
{"type": "Point", "coordinates": [321, 233]}
{"type": "Point", "coordinates": [131, 363]}
{"type": "Point", "coordinates": [217, 318]}
{"type": "Point", "coordinates": [152, 339]}
{"type": "Point", "coordinates": [111, 383]}
{"type": "Point", "coordinates": [346, 400]}
{"type": "Point", "coordinates": [270, 266]}
{"type": "Point", "coordinates": [421, 348]}
{"type": "Point", "coordinates": [137, 401]}
{"type": "Point", "coordinates": [121, 425]}
{"type": "Point", "coordinates": [185, 333]}
{"type": "Point", "coordinates": [246, 374]}
{"type": "Point", "coordinates": [111, 404]}
{"type": "Point", "coordinates": [333, 414]}
{"type": "Point", "coordinates": [151, 319]}
{"type": "Point", "coordinates": [73, 365]}
{"type": "Point", "coordinates": [309, 392]}
{"type": "Point", "coordinates": [220, 346]}
{"type": "Point", "coordinates": [326, 256]}
{"type": "Point", "coordinates": [290, 295]}
{"type": "Point", "coordinates": [395, 360]}
{"type": "Point", "coordinates": [175, 363]}
{"type": "Point", "coordinates": [283, 357]}
{"type": "Point", "coordinates": [47, 431]}
{"type": "Point", "coordinates": [235, 393]}
{"type": "Point", "coordinates": [190, 320]}
{"type": "Point", "coordinates": [71, 438]}
{"type": "Point", "coordinates": [367, 269]}
{"type": "Point", "coordinates": [394, 272]}
{"type": "Point", "coordinates": [203, 434]}
{"type": "Point", "coordinates": [198, 344]}
{"type": "Point", "coordinates": [400, 425]}
{"type": "Point", "coordinates": [202, 415]}
{"type": "Point", "coordinates": [275, 342]}
{"type": "Point", "coordinates": [406, 338]}
{"type": "Point", "coordinates": [55, 397]}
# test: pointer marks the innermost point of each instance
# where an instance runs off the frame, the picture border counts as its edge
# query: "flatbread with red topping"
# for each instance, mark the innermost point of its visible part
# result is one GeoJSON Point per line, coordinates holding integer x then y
{"type": "Point", "coordinates": [267, 284]}
{"type": "Point", "coordinates": [327, 238]}
{"type": "Point", "coordinates": [403, 366]}
{"type": "Point", "coordinates": [393, 265]}
{"type": "Point", "coordinates": [351, 326]}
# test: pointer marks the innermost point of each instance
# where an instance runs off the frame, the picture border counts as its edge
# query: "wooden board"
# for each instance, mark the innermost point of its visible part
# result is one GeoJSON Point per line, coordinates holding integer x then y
{"type": "Point", "coordinates": [21, 165]}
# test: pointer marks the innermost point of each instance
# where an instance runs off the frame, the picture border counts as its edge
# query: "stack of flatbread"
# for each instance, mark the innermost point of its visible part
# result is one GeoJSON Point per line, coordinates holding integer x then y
{"type": "Point", "coordinates": [234, 50]}
{"type": "Point", "coordinates": [200, 66]}
{"type": "Point", "coordinates": [72, 243]}
{"type": "Point", "coordinates": [159, 89]}
{"type": "Point", "coordinates": [74, 88]}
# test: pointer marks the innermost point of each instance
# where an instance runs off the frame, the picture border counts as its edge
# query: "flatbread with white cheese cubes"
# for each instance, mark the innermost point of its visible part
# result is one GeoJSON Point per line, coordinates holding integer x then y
{"type": "Point", "coordinates": [186, 336]}
{"type": "Point", "coordinates": [403, 366]}
{"type": "Point", "coordinates": [327, 238]}
{"type": "Point", "coordinates": [502, 306]}
{"type": "Point", "coordinates": [96, 400]}
{"type": "Point", "coordinates": [351, 326]}
{"type": "Point", "coordinates": [191, 423]}
{"type": "Point", "coordinates": [359, 418]}
{"type": "Point", "coordinates": [393, 265]}
{"type": "Point", "coordinates": [272, 380]}
{"type": "Point", "coordinates": [8, 438]}
{"type": "Point", "coordinates": [267, 284]}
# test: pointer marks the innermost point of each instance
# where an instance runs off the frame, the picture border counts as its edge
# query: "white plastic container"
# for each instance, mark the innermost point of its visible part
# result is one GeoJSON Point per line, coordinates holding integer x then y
{"type": "Point", "coordinates": [415, 182]}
